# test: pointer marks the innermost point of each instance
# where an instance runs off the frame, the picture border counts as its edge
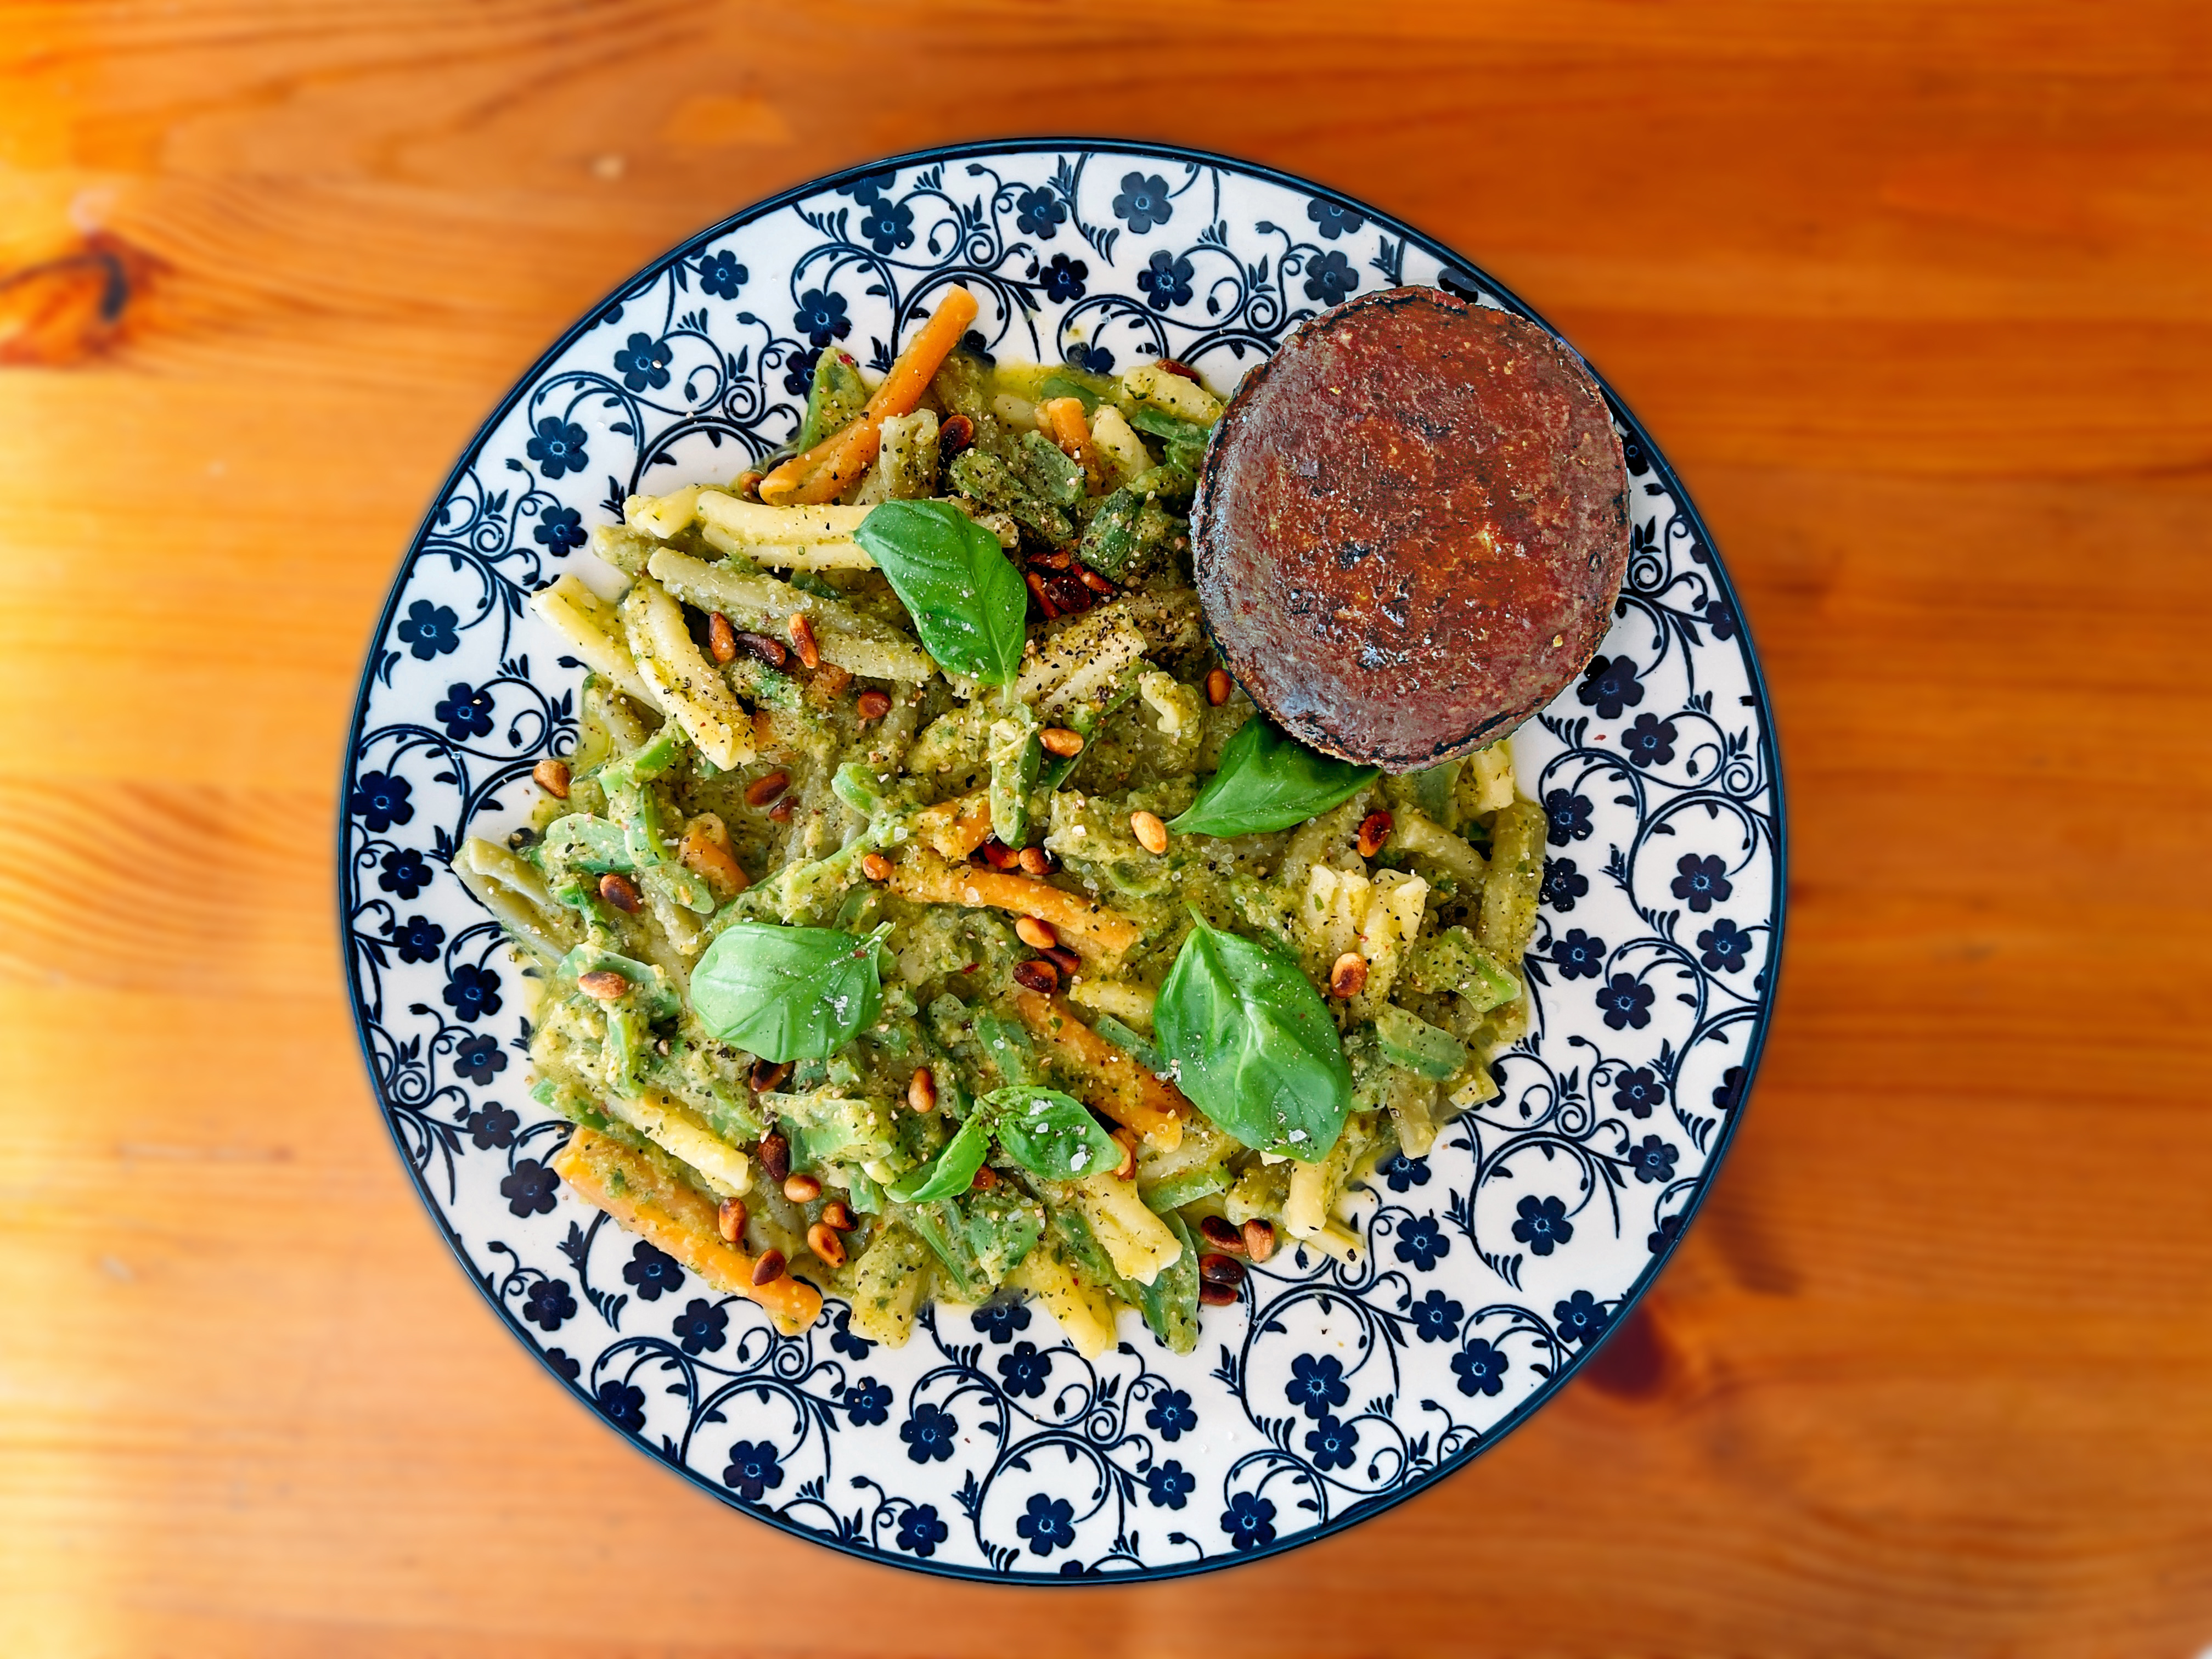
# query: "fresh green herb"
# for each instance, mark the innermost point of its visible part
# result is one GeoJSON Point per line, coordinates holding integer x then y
{"type": "Point", "coordinates": [1049, 1134]}
{"type": "Point", "coordinates": [952, 1170]}
{"type": "Point", "coordinates": [1253, 1045]}
{"type": "Point", "coordinates": [1269, 780]}
{"type": "Point", "coordinates": [968, 603]}
{"type": "Point", "coordinates": [788, 993]}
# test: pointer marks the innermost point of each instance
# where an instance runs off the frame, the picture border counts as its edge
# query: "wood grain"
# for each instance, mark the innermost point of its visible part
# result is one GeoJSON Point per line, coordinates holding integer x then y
{"type": "Point", "coordinates": [1917, 295]}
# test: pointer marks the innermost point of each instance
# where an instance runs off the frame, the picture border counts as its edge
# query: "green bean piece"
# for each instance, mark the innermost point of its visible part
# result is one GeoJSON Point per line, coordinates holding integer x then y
{"type": "Point", "coordinates": [1169, 1303]}
{"type": "Point", "coordinates": [1049, 473]}
{"type": "Point", "coordinates": [1509, 891]}
{"type": "Point", "coordinates": [991, 481]}
{"type": "Point", "coordinates": [1014, 755]}
{"type": "Point", "coordinates": [834, 401]}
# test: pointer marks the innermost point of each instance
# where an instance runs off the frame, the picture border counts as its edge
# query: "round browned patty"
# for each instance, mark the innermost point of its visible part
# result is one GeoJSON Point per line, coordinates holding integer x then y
{"type": "Point", "coordinates": [1412, 527]}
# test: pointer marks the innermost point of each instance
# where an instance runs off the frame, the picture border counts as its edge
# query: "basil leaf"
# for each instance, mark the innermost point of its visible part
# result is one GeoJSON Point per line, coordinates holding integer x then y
{"type": "Point", "coordinates": [1049, 1133]}
{"type": "Point", "coordinates": [968, 603]}
{"type": "Point", "coordinates": [1253, 1045]}
{"type": "Point", "coordinates": [952, 1170]}
{"type": "Point", "coordinates": [788, 993]}
{"type": "Point", "coordinates": [1269, 780]}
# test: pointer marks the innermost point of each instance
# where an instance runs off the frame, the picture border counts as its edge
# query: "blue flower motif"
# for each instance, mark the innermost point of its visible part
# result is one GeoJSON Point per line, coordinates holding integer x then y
{"type": "Point", "coordinates": [1143, 203]}
{"type": "Point", "coordinates": [1564, 885]}
{"type": "Point", "coordinates": [1403, 1173]}
{"type": "Point", "coordinates": [430, 630]}
{"type": "Point", "coordinates": [624, 1404]}
{"type": "Point", "coordinates": [643, 363]}
{"type": "Point", "coordinates": [1024, 1370]}
{"type": "Point", "coordinates": [654, 1273]}
{"type": "Point", "coordinates": [549, 1305]}
{"type": "Point", "coordinates": [416, 939]}
{"type": "Point", "coordinates": [1331, 279]}
{"type": "Point", "coordinates": [1720, 619]}
{"type": "Point", "coordinates": [1578, 955]}
{"type": "Point", "coordinates": [1729, 1095]}
{"type": "Point", "coordinates": [1165, 280]}
{"type": "Point", "coordinates": [1649, 743]}
{"type": "Point", "coordinates": [869, 1401]}
{"type": "Point", "coordinates": [465, 711]}
{"type": "Point", "coordinates": [1481, 1368]}
{"type": "Point", "coordinates": [479, 1058]}
{"type": "Point", "coordinates": [1724, 947]}
{"type": "Point", "coordinates": [1049, 1524]}
{"type": "Point", "coordinates": [920, 1531]}
{"type": "Point", "coordinates": [1570, 816]}
{"type": "Point", "coordinates": [1000, 1321]}
{"type": "Point", "coordinates": [887, 225]}
{"type": "Point", "coordinates": [820, 317]}
{"type": "Point", "coordinates": [1580, 1318]}
{"type": "Point", "coordinates": [843, 1339]}
{"type": "Point", "coordinates": [1670, 1230]}
{"type": "Point", "coordinates": [1625, 1003]}
{"type": "Point", "coordinates": [379, 800]}
{"type": "Point", "coordinates": [868, 187]}
{"type": "Point", "coordinates": [754, 1468]}
{"type": "Point", "coordinates": [1701, 882]}
{"type": "Point", "coordinates": [1334, 219]}
{"type": "Point", "coordinates": [1169, 1484]}
{"type": "Point", "coordinates": [1096, 358]}
{"type": "Point", "coordinates": [491, 1126]}
{"type": "Point", "coordinates": [472, 993]}
{"type": "Point", "coordinates": [720, 275]}
{"type": "Point", "coordinates": [528, 1189]}
{"type": "Point", "coordinates": [1422, 1243]}
{"type": "Point", "coordinates": [1543, 1226]}
{"type": "Point", "coordinates": [560, 528]}
{"type": "Point", "coordinates": [1638, 1091]}
{"type": "Point", "coordinates": [1609, 685]}
{"type": "Point", "coordinates": [702, 1326]}
{"type": "Point", "coordinates": [1653, 1161]}
{"type": "Point", "coordinates": [1317, 1384]}
{"type": "Point", "coordinates": [799, 372]}
{"type": "Point", "coordinates": [1171, 1416]}
{"type": "Point", "coordinates": [1331, 1444]}
{"type": "Point", "coordinates": [568, 1365]}
{"type": "Point", "coordinates": [1039, 213]}
{"type": "Point", "coordinates": [928, 1434]}
{"type": "Point", "coordinates": [1062, 279]}
{"type": "Point", "coordinates": [1249, 1520]}
{"type": "Point", "coordinates": [558, 447]}
{"type": "Point", "coordinates": [1436, 1317]}
{"type": "Point", "coordinates": [404, 872]}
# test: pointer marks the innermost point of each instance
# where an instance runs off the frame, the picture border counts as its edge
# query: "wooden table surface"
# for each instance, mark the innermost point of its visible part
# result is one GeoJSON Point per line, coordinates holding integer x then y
{"type": "Point", "coordinates": [1917, 296]}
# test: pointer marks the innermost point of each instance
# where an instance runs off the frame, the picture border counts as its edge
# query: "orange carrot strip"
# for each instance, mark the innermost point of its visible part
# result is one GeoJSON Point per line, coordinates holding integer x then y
{"type": "Point", "coordinates": [1084, 926]}
{"type": "Point", "coordinates": [1126, 1092]}
{"type": "Point", "coordinates": [957, 826]}
{"type": "Point", "coordinates": [675, 1218]}
{"type": "Point", "coordinates": [838, 462]}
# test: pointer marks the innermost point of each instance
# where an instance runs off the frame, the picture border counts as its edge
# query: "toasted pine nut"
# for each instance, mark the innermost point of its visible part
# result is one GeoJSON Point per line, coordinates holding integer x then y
{"type": "Point", "coordinates": [769, 1268]}
{"type": "Point", "coordinates": [1035, 861]}
{"type": "Point", "coordinates": [1222, 1234]}
{"type": "Point", "coordinates": [822, 1240]}
{"type": "Point", "coordinates": [746, 486]}
{"type": "Point", "coordinates": [730, 1219]}
{"type": "Point", "coordinates": [1037, 975]}
{"type": "Point", "coordinates": [836, 1213]}
{"type": "Point", "coordinates": [775, 1156]}
{"type": "Point", "coordinates": [1095, 583]}
{"type": "Point", "coordinates": [552, 777]}
{"type": "Point", "coordinates": [1218, 687]}
{"type": "Point", "coordinates": [1058, 740]}
{"type": "Point", "coordinates": [1151, 833]}
{"type": "Point", "coordinates": [922, 1090]}
{"type": "Point", "coordinates": [1221, 1269]}
{"type": "Point", "coordinates": [801, 1189]}
{"type": "Point", "coordinates": [802, 640]}
{"type": "Point", "coordinates": [1035, 932]}
{"type": "Point", "coordinates": [767, 1079]}
{"type": "Point", "coordinates": [602, 984]}
{"type": "Point", "coordinates": [833, 679]}
{"type": "Point", "coordinates": [721, 638]}
{"type": "Point", "coordinates": [1216, 1295]}
{"type": "Point", "coordinates": [762, 790]}
{"type": "Point", "coordinates": [985, 1178]}
{"type": "Point", "coordinates": [1037, 592]}
{"type": "Point", "coordinates": [876, 867]}
{"type": "Point", "coordinates": [874, 704]}
{"type": "Point", "coordinates": [1374, 832]}
{"type": "Point", "coordinates": [780, 812]}
{"type": "Point", "coordinates": [759, 646]}
{"type": "Point", "coordinates": [619, 891]}
{"type": "Point", "coordinates": [1348, 978]}
{"type": "Point", "coordinates": [956, 432]}
{"type": "Point", "coordinates": [1259, 1239]}
{"type": "Point", "coordinates": [997, 854]}
{"type": "Point", "coordinates": [1125, 1138]}
{"type": "Point", "coordinates": [1063, 958]}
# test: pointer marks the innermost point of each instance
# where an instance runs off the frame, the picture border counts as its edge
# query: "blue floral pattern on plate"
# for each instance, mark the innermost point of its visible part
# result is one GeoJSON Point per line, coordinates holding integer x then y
{"type": "Point", "coordinates": [987, 1447]}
